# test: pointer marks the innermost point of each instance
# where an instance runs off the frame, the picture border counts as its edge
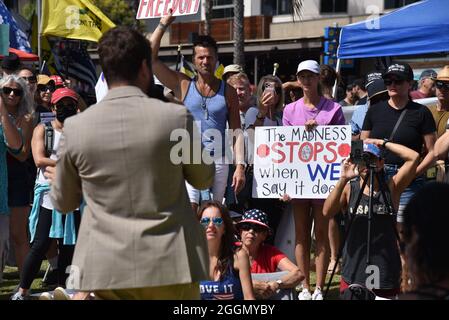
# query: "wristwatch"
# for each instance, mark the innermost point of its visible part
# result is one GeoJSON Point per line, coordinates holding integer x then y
{"type": "Point", "coordinates": [385, 142]}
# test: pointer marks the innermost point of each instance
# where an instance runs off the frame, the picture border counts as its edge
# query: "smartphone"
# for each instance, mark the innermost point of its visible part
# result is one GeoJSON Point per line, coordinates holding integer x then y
{"type": "Point", "coordinates": [269, 86]}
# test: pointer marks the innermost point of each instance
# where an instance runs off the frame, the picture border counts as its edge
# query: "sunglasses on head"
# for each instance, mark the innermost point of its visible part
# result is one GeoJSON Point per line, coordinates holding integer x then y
{"type": "Point", "coordinates": [442, 85]}
{"type": "Point", "coordinates": [389, 82]}
{"type": "Point", "coordinates": [8, 90]}
{"type": "Point", "coordinates": [31, 79]}
{"type": "Point", "coordinates": [216, 221]}
{"type": "Point", "coordinates": [43, 88]}
{"type": "Point", "coordinates": [246, 226]}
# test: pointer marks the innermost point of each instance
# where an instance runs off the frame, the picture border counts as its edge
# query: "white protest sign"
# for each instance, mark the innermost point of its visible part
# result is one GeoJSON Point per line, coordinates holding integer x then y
{"type": "Point", "coordinates": [303, 164]}
{"type": "Point", "coordinates": [159, 8]}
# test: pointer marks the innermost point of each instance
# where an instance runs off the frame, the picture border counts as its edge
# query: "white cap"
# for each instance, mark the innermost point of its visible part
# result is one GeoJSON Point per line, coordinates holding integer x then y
{"type": "Point", "coordinates": [310, 65]}
{"type": "Point", "coordinates": [232, 68]}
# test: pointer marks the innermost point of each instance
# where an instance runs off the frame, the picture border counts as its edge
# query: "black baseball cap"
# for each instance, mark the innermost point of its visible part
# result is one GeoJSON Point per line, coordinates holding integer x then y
{"type": "Point", "coordinates": [375, 84]}
{"type": "Point", "coordinates": [402, 71]}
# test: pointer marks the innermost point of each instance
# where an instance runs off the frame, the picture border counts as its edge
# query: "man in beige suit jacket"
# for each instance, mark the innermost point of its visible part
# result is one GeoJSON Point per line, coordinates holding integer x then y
{"type": "Point", "coordinates": [139, 238]}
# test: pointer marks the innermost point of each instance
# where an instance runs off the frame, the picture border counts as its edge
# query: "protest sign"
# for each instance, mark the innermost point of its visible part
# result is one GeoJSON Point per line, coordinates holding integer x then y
{"type": "Point", "coordinates": [303, 164]}
{"type": "Point", "coordinates": [159, 8]}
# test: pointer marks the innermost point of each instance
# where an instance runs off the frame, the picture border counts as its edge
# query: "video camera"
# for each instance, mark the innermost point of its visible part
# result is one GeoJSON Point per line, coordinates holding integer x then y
{"type": "Point", "coordinates": [359, 155]}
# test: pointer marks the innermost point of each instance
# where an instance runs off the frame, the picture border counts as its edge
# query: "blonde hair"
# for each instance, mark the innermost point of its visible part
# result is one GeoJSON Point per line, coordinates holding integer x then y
{"type": "Point", "coordinates": [261, 88]}
{"type": "Point", "coordinates": [26, 101]}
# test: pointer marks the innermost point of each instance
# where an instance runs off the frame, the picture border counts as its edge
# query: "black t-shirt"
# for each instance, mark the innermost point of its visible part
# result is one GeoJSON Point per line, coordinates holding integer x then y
{"type": "Point", "coordinates": [381, 118]}
{"type": "Point", "coordinates": [384, 252]}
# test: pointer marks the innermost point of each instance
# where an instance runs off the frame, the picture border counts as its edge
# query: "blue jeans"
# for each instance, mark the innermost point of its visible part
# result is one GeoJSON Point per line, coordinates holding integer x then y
{"type": "Point", "coordinates": [415, 185]}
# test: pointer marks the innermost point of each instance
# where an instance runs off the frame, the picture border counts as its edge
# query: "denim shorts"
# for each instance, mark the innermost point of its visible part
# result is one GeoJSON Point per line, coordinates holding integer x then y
{"type": "Point", "coordinates": [415, 185]}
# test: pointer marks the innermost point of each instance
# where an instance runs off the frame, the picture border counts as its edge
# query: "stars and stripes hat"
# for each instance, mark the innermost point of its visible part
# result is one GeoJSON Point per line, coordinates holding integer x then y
{"type": "Point", "coordinates": [255, 216]}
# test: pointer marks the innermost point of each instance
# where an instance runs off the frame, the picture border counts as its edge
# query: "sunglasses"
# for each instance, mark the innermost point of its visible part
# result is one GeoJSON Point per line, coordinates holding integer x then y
{"type": "Point", "coordinates": [442, 85]}
{"type": "Point", "coordinates": [246, 226]}
{"type": "Point", "coordinates": [43, 88]}
{"type": "Point", "coordinates": [31, 79]}
{"type": "Point", "coordinates": [68, 105]}
{"type": "Point", "coordinates": [8, 90]}
{"type": "Point", "coordinates": [389, 82]}
{"type": "Point", "coordinates": [216, 221]}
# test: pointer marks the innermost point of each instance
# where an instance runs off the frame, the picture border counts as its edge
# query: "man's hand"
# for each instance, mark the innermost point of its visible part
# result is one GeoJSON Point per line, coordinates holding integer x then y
{"type": "Point", "coordinates": [50, 173]}
{"type": "Point", "coordinates": [238, 179]}
{"type": "Point", "coordinates": [167, 20]}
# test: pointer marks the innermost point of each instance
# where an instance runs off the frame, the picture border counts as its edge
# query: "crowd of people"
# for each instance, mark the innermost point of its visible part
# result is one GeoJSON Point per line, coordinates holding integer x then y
{"type": "Point", "coordinates": [99, 191]}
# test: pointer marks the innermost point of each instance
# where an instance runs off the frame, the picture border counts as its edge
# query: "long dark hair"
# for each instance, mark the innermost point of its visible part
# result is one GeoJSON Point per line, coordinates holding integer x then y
{"type": "Point", "coordinates": [426, 220]}
{"type": "Point", "coordinates": [226, 255]}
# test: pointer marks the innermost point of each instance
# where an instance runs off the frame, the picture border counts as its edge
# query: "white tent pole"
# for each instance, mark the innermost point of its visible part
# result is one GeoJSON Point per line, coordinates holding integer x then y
{"type": "Point", "coordinates": [39, 35]}
{"type": "Point", "coordinates": [337, 69]}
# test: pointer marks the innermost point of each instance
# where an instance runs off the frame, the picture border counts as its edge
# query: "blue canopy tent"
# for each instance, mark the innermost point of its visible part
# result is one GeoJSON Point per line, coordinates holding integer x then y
{"type": "Point", "coordinates": [419, 28]}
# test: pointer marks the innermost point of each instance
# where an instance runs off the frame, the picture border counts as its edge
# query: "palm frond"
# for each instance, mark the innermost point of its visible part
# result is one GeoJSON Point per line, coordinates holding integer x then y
{"type": "Point", "coordinates": [297, 8]}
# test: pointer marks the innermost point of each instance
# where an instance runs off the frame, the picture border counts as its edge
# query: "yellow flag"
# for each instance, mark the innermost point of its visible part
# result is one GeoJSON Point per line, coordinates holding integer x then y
{"type": "Point", "coordinates": [74, 19]}
{"type": "Point", "coordinates": [219, 71]}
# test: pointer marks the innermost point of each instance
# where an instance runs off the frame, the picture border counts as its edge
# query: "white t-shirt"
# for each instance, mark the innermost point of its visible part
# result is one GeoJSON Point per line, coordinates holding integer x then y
{"type": "Point", "coordinates": [45, 200]}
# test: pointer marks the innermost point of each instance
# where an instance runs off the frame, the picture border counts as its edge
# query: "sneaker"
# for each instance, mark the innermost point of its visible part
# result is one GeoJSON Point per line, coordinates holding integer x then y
{"type": "Point", "coordinates": [18, 296]}
{"type": "Point", "coordinates": [61, 294]}
{"type": "Point", "coordinates": [305, 295]}
{"type": "Point", "coordinates": [317, 294]}
{"type": "Point", "coordinates": [46, 296]}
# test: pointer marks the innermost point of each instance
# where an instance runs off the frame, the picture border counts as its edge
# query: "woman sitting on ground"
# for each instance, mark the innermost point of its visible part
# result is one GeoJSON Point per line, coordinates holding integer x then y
{"type": "Point", "coordinates": [229, 268]}
{"type": "Point", "coordinates": [264, 258]}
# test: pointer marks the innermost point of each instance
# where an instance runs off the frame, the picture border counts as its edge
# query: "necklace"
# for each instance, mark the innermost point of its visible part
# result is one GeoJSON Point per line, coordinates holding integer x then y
{"type": "Point", "coordinates": [204, 103]}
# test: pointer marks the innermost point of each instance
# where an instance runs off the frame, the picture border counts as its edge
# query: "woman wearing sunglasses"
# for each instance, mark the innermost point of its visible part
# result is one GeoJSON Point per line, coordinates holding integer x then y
{"type": "Point", "coordinates": [17, 102]}
{"type": "Point", "coordinates": [10, 140]}
{"type": "Point", "coordinates": [45, 222]}
{"type": "Point", "coordinates": [229, 268]}
{"type": "Point", "coordinates": [42, 97]}
{"type": "Point", "coordinates": [264, 258]}
{"type": "Point", "coordinates": [403, 122]}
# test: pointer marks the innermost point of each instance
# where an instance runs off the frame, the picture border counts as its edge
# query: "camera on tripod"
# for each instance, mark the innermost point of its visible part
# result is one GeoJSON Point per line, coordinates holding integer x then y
{"type": "Point", "coordinates": [365, 154]}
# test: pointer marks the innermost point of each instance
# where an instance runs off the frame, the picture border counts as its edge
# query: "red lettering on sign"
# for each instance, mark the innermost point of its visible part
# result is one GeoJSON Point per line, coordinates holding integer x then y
{"type": "Point", "coordinates": [318, 146]}
{"type": "Point", "coordinates": [292, 146]}
{"type": "Point", "coordinates": [305, 152]}
{"type": "Point", "coordinates": [280, 152]}
{"type": "Point", "coordinates": [150, 8]}
{"type": "Point", "coordinates": [157, 12]}
{"type": "Point", "coordinates": [330, 147]}
{"type": "Point", "coordinates": [143, 3]}
{"type": "Point", "coordinates": [166, 8]}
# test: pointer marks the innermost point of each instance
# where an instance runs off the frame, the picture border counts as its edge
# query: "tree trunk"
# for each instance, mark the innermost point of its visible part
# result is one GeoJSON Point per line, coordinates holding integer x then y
{"type": "Point", "coordinates": [239, 35]}
{"type": "Point", "coordinates": [208, 13]}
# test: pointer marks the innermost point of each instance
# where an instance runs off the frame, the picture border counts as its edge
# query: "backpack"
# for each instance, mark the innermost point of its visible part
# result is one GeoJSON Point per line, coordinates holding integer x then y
{"type": "Point", "coordinates": [49, 138]}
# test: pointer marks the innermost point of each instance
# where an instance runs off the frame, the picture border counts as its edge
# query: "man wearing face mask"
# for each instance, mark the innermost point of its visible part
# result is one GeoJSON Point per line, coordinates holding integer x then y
{"type": "Point", "coordinates": [45, 222]}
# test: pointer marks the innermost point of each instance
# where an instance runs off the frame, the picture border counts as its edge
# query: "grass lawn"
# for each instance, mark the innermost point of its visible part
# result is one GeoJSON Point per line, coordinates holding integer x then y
{"type": "Point", "coordinates": [11, 280]}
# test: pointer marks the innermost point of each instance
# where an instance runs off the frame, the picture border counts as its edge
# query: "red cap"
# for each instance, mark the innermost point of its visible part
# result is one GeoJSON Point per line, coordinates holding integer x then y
{"type": "Point", "coordinates": [57, 79]}
{"type": "Point", "coordinates": [63, 93]}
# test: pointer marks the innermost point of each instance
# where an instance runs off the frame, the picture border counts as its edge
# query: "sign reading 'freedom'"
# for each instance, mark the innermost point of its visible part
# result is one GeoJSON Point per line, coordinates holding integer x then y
{"type": "Point", "coordinates": [159, 8]}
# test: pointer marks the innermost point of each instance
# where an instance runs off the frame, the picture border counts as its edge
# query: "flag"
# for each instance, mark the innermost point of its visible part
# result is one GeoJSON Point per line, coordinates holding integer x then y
{"type": "Point", "coordinates": [219, 70]}
{"type": "Point", "coordinates": [101, 89]}
{"type": "Point", "coordinates": [74, 19]}
{"type": "Point", "coordinates": [17, 38]}
{"type": "Point", "coordinates": [4, 39]}
{"type": "Point", "coordinates": [187, 68]}
{"type": "Point", "coordinates": [80, 66]}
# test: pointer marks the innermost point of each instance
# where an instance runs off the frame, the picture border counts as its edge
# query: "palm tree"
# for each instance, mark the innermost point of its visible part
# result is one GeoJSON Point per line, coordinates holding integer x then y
{"type": "Point", "coordinates": [239, 33]}
{"type": "Point", "coordinates": [208, 14]}
{"type": "Point", "coordinates": [297, 8]}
